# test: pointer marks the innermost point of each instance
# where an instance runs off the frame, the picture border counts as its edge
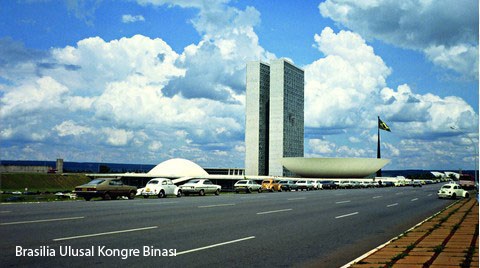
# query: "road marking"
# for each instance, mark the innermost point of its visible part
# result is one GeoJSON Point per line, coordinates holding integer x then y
{"type": "Point", "coordinates": [38, 221]}
{"type": "Point", "coordinates": [219, 205]}
{"type": "Point", "coordinates": [297, 198]}
{"type": "Point", "coordinates": [274, 211]}
{"type": "Point", "coordinates": [342, 202]}
{"type": "Point", "coordinates": [378, 196]}
{"type": "Point", "coordinates": [5, 211]}
{"type": "Point", "coordinates": [156, 203]}
{"type": "Point", "coordinates": [215, 245]}
{"type": "Point", "coordinates": [106, 233]}
{"type": "Point", "coordinates": [392, 205]}
{"type": "Point", "coordinates": [430, 194]}
{"type": "Point", "coordinates": [398, 193]}
{"type": "Point", "coordinates": [260, 196]}
{"type": "Point", "coordinates": [346, 215]}
{"type": "Point", "coordinates": [415, 199]}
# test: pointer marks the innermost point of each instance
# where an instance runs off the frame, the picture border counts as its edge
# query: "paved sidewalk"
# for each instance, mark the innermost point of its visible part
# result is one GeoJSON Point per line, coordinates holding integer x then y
{"type": "Point", "coordinates": [448, 239]}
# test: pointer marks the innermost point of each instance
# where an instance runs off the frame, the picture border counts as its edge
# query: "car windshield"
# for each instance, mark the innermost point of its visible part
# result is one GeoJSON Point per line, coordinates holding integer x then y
{"type": "Point", "coordinates": [193, 181]}
{"type": "Point", "coordinates": [265, 181]}
{"type": "Point", "coordinates": [95, 182]}
{"type": "Point", "coordinates": [283, 182]}
{"type": "Point", "coordinates": [446, 187]}
{"type": "Point", "coordinates": [242, 182]}
{"type": "Point", "coordinates": [153, 182]}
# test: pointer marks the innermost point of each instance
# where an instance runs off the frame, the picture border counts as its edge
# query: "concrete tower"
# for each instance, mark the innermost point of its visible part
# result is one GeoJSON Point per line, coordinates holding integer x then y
{"type": "Point", "coordinates": [256, 118]}
{"type": "Point", "coordinates": [286, 129]}
{"type": "Point", "coordinates": [274, 116]}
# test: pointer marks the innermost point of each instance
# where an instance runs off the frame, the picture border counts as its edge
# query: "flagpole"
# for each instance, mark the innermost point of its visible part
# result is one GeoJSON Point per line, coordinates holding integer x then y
{"type": "Point", "coordinates": [379, 172]}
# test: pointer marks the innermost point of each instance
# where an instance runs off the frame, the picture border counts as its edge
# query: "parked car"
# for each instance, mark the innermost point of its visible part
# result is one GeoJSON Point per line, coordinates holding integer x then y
{"type": "Point", "coordinates": [317, 185]}
{"type": "Point", "coordinates": [271, 185]}
{"type": "Point", "coordinates": [288, 185]}
{"type": "Point", "coordinates": [200, 187]}
{"type": "Point", "coordinates": [389, 184]}
{"type": "Point", "coordinates": [355, 184]}
{"type": "Point", "coordinates": [247, 186]}
{"type": "Point", "coordinates": [416, 184]}
{"type": "Point", "coordinates": [344, 184]}
{"type": "Point", "coordinates": [452, 190]}
{"type": "Point", "coordinates": [107, 188]}
{"type": "Point", "coordinates": [328, 185]}
{"type": "Point", "coordinates": [305, 185]}
{"type": "Point", "coordinates": [160, 187]}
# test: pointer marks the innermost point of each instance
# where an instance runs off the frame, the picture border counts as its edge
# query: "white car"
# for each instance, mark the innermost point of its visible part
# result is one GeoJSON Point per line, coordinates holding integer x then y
{"type": "Point", "coordinates": [452, 190]}
{"type": "Point", "coordinates": [247, 185]}
{"type": "Point", "coordinates": [317, 184]}
{"type": "Point", "coordinates": [305, 185]}
{"type": "Point", "coordinates": [160, 187]}
{"type": "Point", "coordinates": [200, 187]}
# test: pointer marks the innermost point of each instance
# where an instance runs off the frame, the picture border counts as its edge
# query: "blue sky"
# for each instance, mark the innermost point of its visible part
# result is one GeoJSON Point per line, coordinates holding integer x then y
{"type": "Point", "coordinates": [148, 80]}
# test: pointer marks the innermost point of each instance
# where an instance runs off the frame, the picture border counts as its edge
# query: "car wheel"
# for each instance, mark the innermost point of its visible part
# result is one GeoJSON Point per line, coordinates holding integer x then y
{"type": "Point", "coordinates": [145, 196]}
{"type": "Point", "coordinates": [467, 195]}
{"type": "Point", "coordinates": [131, 195]}
{"type": "Point", "coordinates": [248, 190]}
{"type": "Point", "coordinates": [259, 190]}
{"type": "Point", "coordinates": [454, 196]}
{"type": "Point", "coordinates": [179, 193]}
{"type": "Point", "coordinates": [236, 191]}
{"type": "Point", "coordinates": [161, 194]}
{"type": "Point", "coordinates": [217, 192]}
{"type": "Point", "coordinates": [106, 196]}
{"type": "Point", "coordinates": [87, 198]}
{"type": "Point", "coordinates": [201, 193]}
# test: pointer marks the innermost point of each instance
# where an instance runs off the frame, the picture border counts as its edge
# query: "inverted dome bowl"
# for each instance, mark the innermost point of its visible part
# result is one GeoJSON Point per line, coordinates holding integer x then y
{"type": "Point", "coordinates": [333, 167]}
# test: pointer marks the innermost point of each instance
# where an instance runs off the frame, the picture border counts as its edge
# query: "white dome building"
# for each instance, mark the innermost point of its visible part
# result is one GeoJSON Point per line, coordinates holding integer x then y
{"type": "Point", "coordinates": [177, 167]}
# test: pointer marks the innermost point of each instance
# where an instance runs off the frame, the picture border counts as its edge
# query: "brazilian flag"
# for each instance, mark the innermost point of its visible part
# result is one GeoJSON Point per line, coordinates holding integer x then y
{"type": "Point", "coordinates": [383, 126]}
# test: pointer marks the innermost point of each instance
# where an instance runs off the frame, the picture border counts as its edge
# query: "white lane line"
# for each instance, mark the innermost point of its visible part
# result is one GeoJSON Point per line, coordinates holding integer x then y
{"type": "Point", "coordinates": [38, 221]}
{"type": "Point", "coordinates": [274, 211]}
{"type": "Point", "coordinates": [215, 245]}
{"type": "Point", "coordinates": [106, 233]}
{"type": "Point", "coordinates": [415, 199]}
{"type": "Point", "coordinates": [5, 211]}
{"type": "Point", "coordinates": [155, 203]}
{"type": "Point", "coordinates": [430, 194]}
{"type": "Point", "coordinates": [343, 202]}
{"type": "Point", "coordinates": [398, 193]}
{"type": "Point", "coordinates": [297, 198]}
{"type": "Point", "coordinates": [219, 205]}
{"type": "Point", "coordinates": [253, 197]}
{"type": "Point", "coordinates": [378, 196]}
{"type": "Point", "coordinates": [392, 205]}
{"type": "Point", "coordinates": [346, 215]}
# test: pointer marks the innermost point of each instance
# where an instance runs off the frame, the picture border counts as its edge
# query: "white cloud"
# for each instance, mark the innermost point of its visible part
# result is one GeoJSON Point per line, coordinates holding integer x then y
{"type": "Point", "coordinates": [132, 18]}
{"type": "Point", "coordinates": [340, 87]}
{"type": "Point", "coordinates": [441, 29]}
{"type": "Point", "coordinates": [70, 128]}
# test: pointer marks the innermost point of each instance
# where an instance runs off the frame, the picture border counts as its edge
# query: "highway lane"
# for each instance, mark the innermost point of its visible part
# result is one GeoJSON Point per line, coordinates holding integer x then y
{"type": "Point", "coordinates": [282, 229]}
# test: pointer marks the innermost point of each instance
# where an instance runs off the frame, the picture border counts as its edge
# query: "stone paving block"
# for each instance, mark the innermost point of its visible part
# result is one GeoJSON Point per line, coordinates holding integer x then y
{"type": "Point", "coordinates": [367, 265]}
{"type": "Point", "coordinates": [374, 260]}
{"type": "Point", "coordinates": [413, 260]}
{"type": "Point", "coordinates": [446, 260]}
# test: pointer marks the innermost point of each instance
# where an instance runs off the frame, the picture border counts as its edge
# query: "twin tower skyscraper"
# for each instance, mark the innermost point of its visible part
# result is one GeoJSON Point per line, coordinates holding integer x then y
{"type": "Point", "coordinates": [274, 116]}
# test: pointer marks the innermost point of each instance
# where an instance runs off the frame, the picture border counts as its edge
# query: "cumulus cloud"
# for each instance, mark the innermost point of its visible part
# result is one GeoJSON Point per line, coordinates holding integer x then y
{"type": "Point", "coordinates": [132, 18]}
{"type": "Point", "coordinates": [347, 89]}
{"type": "Point", "coordinates": [341, 87]}
{"type": "Point", "coordinates": [446, 31]}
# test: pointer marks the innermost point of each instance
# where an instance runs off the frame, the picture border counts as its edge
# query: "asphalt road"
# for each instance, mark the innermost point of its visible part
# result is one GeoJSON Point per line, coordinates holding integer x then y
{"type": "Point", "coordinates": [317, 228]}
